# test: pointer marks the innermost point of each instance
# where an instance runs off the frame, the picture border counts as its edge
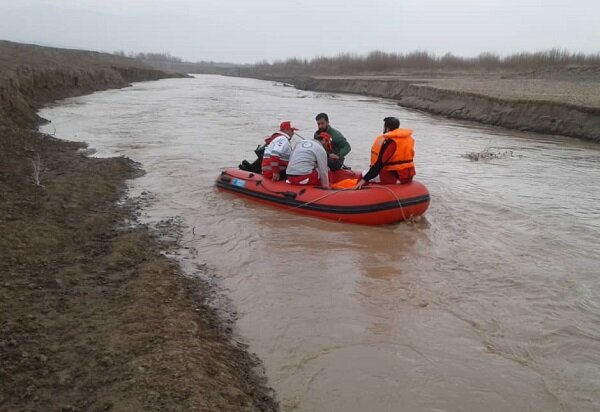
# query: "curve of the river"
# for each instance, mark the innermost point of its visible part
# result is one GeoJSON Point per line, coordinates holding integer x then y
{"type": "Point", "coordinates": [492, 302]}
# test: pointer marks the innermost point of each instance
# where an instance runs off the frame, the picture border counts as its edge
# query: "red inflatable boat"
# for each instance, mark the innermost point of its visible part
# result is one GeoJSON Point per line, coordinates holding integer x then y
{"type": "Point", "coordinates": [372, 205]}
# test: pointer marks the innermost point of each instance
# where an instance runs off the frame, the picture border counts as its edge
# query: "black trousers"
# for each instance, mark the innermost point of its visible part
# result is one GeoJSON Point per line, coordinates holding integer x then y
{"type": "Point", "coordinates": [334, 164]}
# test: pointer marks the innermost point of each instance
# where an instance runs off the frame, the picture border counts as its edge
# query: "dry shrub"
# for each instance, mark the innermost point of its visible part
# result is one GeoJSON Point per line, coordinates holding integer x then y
{"type": "Point", "coordinates": [381, 62]}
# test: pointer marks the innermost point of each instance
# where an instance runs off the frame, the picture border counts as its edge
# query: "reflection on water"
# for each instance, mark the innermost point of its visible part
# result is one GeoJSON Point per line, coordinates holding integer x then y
{"type": "Point", "coordinates": [492, 302]}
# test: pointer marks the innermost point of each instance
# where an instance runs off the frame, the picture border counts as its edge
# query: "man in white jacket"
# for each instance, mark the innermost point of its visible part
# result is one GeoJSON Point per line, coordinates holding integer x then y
{"type": "Point", "coordinates": [277, 153]}
{"type": "Point", "coordinates": [308, 162]}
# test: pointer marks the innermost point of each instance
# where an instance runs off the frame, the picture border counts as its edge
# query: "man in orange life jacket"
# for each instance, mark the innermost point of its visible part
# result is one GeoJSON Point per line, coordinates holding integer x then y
{"type": "Point", "coordinates": [277, 152]}
{"type": "Point", "coordinates": [392, 155]}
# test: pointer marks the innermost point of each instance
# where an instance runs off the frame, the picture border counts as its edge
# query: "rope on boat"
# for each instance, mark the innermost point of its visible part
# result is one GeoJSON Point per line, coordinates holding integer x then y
{"type": "Point", "coordinates": [395, 195]}
{"type": "Point", "coordinates": [334, 192]}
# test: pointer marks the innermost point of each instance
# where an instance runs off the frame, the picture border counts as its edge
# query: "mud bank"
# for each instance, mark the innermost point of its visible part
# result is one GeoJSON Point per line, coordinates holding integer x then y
{"type": "Point", "coordinates": [93, 316]}
{"type": "Point", "coordinates": [31, 76]}
{"type": "Point", "coordinates": [526, 112]}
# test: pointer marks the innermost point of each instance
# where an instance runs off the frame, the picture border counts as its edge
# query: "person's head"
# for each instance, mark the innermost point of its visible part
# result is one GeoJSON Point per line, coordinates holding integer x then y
{"type": "Point", "coordinates": [322, 121]}
{"type": "Point", "coordinates": [286, 127]}
{"type": "Point", "coordinates": [390, 123]}
{"type": "Point", "coordinates": [325, 139]}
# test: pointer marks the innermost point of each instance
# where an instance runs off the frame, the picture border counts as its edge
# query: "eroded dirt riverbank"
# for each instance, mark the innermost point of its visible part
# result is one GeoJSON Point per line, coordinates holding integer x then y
{"type": "Point", "coordinates": [93, 316]}
{"type": "Point", "coordinates": [562, 102]}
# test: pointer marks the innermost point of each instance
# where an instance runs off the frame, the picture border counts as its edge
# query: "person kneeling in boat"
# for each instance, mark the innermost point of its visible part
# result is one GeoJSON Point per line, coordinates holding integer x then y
{"type": "Point", "coordinates": [277, 153]}
{"type": "Point", "coordinates": [339, 145]}
{"type": "Point", "coordinates": [392, 156]}
{"type": "Point", "coordinates": [256, 165]}
{"type": "Point", "coordinates": [308, 162]}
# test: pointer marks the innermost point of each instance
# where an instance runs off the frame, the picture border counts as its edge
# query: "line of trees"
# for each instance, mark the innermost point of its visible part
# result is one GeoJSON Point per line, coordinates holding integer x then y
{"type": "Point", "coordinates": [381, 62]}
{"type": "Point", "coordinates": [157, 57]}
{"type": "Point", "coordinates": [167, 62]}
{"type": "Point", "coordinates": [377, 62]}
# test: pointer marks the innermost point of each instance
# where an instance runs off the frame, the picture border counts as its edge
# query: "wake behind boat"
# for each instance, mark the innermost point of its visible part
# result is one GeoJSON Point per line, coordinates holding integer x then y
{"type": "Point", "coordinates": [373, 205]}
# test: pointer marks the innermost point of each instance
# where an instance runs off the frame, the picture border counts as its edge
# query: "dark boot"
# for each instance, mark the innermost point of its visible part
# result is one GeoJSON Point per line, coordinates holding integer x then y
{"type": "Point", "coordinates": [245, 165]}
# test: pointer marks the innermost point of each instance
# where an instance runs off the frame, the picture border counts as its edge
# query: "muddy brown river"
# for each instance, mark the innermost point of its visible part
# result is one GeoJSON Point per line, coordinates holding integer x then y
{"type": "Point", "coordinates": [491, 302]}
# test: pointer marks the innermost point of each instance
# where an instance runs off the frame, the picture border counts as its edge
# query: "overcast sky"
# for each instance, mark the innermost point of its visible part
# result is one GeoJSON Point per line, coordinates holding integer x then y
{"type": "Point", "coordinates": [246, 31]}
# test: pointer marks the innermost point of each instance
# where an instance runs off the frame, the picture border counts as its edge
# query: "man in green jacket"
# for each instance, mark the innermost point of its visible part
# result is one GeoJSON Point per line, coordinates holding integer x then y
{"type": "Point", "coordinates": [340, 146]}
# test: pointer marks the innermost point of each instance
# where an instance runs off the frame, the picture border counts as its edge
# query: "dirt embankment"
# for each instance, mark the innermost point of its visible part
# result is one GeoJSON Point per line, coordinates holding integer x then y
{"type": "Point", "coordinates": [31, 76]}
{"type": "Point", "coordinates": [567, 105]}
{"type": "Point", "coordinates": [93, 317]}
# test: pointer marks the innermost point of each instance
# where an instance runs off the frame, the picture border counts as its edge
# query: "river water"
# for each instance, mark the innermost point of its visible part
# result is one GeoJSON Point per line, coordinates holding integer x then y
{"type": "Point", "coordinates": [492, 302]}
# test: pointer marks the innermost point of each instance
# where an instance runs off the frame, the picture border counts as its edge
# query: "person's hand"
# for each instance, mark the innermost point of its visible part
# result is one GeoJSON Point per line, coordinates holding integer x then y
{"type": "Point", "coordinates": [334, 156]}
{"type": "Point", "coordinates": [276, 177]}
{"type": "Point", "coordinates": [360, 184]}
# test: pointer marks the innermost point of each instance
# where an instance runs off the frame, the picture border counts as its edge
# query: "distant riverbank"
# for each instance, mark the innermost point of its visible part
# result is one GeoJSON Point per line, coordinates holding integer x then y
{"type": "Point", "coordinates": [562, 102]}
{"type": "Point", "coordinates": [94, 316]}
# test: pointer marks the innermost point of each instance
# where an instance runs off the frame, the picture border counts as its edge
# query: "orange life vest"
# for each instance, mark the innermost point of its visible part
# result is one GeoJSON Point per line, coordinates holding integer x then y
{"type": "Point", "coordinates": [405, 149]}
{"type": "Point", "coordinates": [344, 184]}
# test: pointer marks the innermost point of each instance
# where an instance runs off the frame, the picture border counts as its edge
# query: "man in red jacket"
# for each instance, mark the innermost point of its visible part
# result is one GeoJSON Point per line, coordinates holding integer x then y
{"type": "Point", "coordinates": [277, 153]}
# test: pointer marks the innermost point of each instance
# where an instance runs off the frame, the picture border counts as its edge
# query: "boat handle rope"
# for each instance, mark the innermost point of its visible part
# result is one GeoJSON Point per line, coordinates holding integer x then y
{"type": "Point", "coordinates": [332, 192]}
{"type": "Point", "coordinates": [336, 191]}
{"type": "Point", "coordinates": [395, 195]}
{"type": "Point", "coordinates": [288, 194]}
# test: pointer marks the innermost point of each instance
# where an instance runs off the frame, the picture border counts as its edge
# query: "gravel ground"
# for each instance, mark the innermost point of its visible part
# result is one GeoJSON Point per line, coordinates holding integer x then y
{"type": "Point", "coordinates": [578, 86]}
{"type": "Point", "coordinates": [579, 93]}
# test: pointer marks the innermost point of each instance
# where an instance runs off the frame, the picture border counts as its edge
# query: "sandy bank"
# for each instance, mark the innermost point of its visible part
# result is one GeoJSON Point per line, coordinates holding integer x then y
{"type": "Point", "coordinates": [93, 316]}
{"type": "Point", "coordinates": [563, 104]}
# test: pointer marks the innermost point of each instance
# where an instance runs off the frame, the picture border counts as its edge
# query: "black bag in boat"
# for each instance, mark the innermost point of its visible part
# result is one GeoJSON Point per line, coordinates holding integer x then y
{"type": "Point", "coordinates": [254, 167]}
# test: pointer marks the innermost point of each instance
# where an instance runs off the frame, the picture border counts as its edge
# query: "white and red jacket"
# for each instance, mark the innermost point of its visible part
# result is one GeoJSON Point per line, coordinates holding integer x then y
{"type": "Point", "coordinates": [277, 155]}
